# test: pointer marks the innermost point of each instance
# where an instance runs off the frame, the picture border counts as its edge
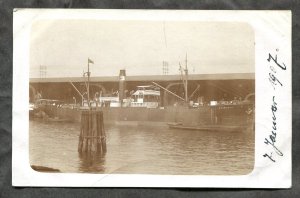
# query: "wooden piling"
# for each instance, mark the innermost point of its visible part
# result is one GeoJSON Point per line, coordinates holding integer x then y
{"type": "Point", "coordinates": [92, 134]}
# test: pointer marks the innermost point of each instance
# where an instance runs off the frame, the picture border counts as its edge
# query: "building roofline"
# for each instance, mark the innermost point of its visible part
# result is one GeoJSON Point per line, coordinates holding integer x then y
{"type": "Point", "coordinates": [229, 76]}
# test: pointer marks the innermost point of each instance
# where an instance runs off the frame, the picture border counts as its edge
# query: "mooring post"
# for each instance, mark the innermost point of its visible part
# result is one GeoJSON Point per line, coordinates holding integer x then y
{"type": "Point", "coordinates": [92, 134]}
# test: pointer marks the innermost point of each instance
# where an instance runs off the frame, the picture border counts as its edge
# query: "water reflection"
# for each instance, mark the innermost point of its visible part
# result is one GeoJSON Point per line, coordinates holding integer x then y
{"type": "Point", "coordinates": [144, 150]}
{"type": "Point", "coordinates": [91, 162]}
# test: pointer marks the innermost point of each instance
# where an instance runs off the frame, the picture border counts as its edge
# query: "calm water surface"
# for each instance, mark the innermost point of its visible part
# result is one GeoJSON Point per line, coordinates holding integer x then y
{"type": "Point", "coordinates": [149, 150]}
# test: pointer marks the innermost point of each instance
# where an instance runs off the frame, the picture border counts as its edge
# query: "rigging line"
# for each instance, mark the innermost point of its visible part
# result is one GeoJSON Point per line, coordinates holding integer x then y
{"type": "Point", "coordinates": [76, 89]}
{"type": "Point", "coordinates": [168, 91]}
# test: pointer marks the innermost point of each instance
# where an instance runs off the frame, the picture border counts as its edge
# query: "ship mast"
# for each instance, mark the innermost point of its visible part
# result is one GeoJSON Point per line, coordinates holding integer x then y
{"type": "Point", "coordinates": [88, 83]}
{"type": "Point", "coordinates": [186, 80]}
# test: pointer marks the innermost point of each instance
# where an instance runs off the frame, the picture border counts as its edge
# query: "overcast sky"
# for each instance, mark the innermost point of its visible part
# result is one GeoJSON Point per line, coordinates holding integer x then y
{"type": "Point", "coordinates": [140, 47]}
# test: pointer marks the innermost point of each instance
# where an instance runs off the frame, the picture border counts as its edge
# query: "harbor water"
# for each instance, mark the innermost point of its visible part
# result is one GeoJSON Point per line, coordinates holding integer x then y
{"type": "Point", "coordinates": [143, 150]}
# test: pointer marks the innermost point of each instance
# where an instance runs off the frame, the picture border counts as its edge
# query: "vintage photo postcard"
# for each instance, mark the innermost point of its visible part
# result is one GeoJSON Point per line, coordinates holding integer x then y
{"type": "Point", "coordinates": [144, 98]}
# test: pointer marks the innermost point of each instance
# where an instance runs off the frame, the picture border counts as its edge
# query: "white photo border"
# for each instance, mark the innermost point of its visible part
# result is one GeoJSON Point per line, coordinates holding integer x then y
{"type": "Point", "coordinates": [272, 36]}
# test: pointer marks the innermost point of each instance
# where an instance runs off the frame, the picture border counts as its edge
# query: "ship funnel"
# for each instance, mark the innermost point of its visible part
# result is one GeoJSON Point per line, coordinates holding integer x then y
{"type": "Point", "coordinates": [122, 85]}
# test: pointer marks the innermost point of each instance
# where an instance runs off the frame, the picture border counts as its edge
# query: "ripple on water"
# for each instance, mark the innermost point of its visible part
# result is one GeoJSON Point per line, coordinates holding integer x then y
{"type": "Point", "coordinates": [144, 150]}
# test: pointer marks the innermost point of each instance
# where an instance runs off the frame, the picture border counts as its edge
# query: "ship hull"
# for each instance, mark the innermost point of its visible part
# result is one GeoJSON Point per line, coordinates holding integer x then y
{"type": "Point", "coordinates": [203, 116]}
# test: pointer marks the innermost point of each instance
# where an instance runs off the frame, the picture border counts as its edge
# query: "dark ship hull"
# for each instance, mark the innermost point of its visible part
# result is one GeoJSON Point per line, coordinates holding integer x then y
{"type": "Point", "coordinates": [205, 117]}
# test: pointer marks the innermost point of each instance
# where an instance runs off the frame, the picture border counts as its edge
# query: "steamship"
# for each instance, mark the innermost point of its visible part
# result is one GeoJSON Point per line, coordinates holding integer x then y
{"type": "Point", "coordinates": [143, 106]}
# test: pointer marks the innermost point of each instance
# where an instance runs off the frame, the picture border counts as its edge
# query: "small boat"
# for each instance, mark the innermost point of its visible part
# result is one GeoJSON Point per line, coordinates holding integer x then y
{"type": "Point", "coordinates": [213, 128]}
{"type": "Point", "coordinates": [45, 109]}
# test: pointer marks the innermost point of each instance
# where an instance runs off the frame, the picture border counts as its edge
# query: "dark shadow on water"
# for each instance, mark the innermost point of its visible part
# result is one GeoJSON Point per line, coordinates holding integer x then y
{"type": "Point", "coordinates": [44, 169]}
{"type": "Point", "coordinates": [92, 162]}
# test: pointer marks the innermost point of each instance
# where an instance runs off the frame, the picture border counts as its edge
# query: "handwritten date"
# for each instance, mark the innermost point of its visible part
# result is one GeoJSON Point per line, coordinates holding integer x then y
{"type": "Point", "coordinates": [275, 82]}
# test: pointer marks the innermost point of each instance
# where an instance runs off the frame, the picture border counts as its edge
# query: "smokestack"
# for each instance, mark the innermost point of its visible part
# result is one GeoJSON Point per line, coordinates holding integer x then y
{"type": "Point", "coordinates": [122, 85]}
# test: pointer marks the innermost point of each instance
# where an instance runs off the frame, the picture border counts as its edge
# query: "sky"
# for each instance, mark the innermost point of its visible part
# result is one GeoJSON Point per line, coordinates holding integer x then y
{"type": "Point", "coordinates": [63, 47]}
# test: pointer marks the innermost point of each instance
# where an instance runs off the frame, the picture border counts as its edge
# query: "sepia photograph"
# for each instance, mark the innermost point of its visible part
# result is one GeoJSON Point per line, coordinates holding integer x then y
{"type": "Point", "coordinates": [142, 97]}
{"type": "Point", "coordinates": [145, 98]}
